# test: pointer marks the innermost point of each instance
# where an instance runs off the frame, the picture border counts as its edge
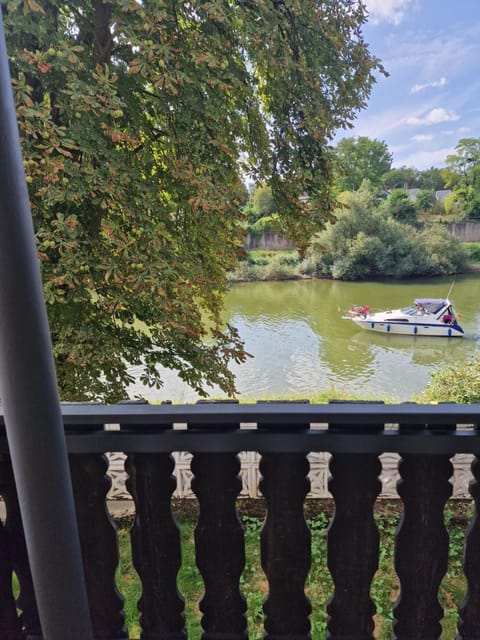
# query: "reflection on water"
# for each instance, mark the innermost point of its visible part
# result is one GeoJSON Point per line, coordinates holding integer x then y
{"type": "Point", "coordinates": [301, 345]}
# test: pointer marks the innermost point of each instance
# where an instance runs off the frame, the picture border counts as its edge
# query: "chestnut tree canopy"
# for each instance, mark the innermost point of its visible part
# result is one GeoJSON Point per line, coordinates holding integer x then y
{"type": "Point", "coordinates": [139, 122]}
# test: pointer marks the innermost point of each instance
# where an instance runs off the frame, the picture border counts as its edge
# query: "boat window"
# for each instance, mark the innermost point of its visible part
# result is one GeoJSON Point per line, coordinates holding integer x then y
{"type": "Point", "coordinates": [409, 311]}
{"type": "Point", "coordinates": [434, 307]}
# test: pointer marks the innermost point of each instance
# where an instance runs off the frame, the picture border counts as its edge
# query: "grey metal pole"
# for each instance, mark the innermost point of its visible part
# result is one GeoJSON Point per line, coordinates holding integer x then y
{"type": "Point", "coordinates": [29, 394]}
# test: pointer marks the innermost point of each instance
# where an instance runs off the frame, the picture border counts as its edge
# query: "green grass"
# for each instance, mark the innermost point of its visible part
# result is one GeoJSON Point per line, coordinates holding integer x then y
{"type": "Point", "coordinates": [385, 586]}
{"type": "Point", "coordinates": [473, 249]}
{"type": "Point", "coordinates": [267, 265]}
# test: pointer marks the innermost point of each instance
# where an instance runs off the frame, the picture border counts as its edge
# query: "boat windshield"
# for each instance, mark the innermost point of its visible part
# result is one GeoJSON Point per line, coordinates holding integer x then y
{"type": "Point", "coordinates": [430, 305]}
{"type": "Point", "coordinates": [422, 307]}
{"type": "Point", "coordinates": [410, 311]}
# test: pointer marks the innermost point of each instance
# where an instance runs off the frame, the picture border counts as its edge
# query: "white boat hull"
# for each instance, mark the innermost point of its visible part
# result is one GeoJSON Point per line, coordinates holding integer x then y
{"type": "Point", "coordinates": [409, 328]}
{"type": "Point", "coordinates": [426, 317]}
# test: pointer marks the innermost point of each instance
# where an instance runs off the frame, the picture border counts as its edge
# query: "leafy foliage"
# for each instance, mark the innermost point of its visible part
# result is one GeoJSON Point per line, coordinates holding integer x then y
{"type": "Point", "coordinates": [270, 223]}
{"type": "Point", "coordinates": [361, 159]}
{"type": "Point", "coordinates": [400, 207]}
{"type": "Point", "coordinates": [463, 175]}
{"type": "Point", "coordinates": [473, 249]}
{"type": "Point", "coordinates": [261, 212]}
{"type": "Point", "coordinates": [400, 178]}
{"type": "Point", "coordinates": [138, 121]}
{"type": "Point", "coordinates": [367, 243]}
{"type": "Point", "coordinates": [263, 202]}
{"type": "Point", "coordinates": [431, 179]}
{"type": "Point", "coordinates": [455, 383]}
{"type": "Point", "coordinates": [425, 199]}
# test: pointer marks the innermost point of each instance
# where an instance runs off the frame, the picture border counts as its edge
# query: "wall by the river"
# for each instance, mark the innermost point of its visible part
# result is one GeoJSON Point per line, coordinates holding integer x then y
{"type": "Point", "coordinates": [269, 241]}
{"type": "Point", "coordinates": [467, 231]}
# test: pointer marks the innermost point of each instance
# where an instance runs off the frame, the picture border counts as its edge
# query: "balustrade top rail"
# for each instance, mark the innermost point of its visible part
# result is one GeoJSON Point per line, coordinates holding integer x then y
{"type": "Point", "coordinates": [343, 427]}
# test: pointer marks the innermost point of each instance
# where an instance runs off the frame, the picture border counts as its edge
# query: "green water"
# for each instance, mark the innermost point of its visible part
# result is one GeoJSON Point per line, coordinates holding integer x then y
{"type": "Point", "coordinates": [302, 346]}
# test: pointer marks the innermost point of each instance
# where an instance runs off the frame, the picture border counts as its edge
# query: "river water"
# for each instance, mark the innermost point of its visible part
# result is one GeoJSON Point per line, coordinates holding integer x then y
{"type": "Point", "coordinates": [300, 344]}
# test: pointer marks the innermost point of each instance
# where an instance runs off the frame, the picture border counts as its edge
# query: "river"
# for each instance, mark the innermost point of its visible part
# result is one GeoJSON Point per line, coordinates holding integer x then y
{"type": "Point", "coordinates": [300, 344]}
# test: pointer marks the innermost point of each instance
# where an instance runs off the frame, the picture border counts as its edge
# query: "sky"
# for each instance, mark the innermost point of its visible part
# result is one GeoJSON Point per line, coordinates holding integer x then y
{"type": "Point", "coordinates": [431, 100]}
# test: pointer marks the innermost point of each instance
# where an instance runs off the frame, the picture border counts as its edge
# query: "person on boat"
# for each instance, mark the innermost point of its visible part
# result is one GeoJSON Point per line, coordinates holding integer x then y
{"type": "Point", "coordinates": [448, 317]}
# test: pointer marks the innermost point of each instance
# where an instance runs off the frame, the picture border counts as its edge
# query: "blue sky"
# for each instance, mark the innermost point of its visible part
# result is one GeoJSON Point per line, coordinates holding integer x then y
{"type": "Point", "coordinates": [431, 100]}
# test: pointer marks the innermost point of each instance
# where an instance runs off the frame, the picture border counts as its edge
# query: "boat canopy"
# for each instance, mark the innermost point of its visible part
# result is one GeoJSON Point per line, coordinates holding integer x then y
{"type": "Point", "coordinates": [432, 304]}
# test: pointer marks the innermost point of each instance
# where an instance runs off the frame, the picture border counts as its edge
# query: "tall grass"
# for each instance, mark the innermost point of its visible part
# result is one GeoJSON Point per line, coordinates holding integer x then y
{"type": "Point", "coordinates": [267, 265]}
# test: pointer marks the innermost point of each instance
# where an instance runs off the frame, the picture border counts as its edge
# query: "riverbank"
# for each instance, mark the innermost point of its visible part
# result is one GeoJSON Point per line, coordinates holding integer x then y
{"type": "Point", "coordinates": [263, 265]}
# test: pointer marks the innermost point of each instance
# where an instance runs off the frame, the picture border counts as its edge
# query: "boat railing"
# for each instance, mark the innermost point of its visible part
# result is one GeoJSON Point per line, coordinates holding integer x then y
{"type": "Point", "coordinates": [355, 434]}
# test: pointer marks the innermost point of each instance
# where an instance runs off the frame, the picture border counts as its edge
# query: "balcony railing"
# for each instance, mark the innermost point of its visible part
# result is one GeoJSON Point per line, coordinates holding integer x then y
{"type": "Point", "coordinates": [355, 434]}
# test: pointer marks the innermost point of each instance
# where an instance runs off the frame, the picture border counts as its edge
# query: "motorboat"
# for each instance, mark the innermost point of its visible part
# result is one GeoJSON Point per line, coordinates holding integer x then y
{"type": "Point", "coordinates": [425, 317]}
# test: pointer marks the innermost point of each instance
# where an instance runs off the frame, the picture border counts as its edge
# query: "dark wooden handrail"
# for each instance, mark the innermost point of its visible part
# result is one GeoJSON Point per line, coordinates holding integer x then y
{"type": "Point", "coordinates": [298, 427]}
{"type": "Point", "coordinates": [425, 437]}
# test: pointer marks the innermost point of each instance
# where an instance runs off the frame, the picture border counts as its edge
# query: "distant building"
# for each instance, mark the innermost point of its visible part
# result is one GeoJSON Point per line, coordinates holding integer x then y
{"type": "Point", "coordinates": [439, 195]}
{"type": "Point", "coordinates": [442, 194]}
{"type": "Point", "coordinates": [412, 194]}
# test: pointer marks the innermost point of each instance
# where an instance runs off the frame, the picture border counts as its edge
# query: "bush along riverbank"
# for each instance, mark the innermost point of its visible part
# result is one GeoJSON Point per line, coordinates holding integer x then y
{"type": "Point", "coordinates": [267, 265]}
{"type": "Point", "coordinates": [263, 265]}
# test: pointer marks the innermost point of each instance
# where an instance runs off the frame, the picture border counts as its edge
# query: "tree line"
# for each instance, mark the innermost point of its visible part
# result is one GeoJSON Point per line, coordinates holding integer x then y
{"type": "Point", "coordinates": [356, 159]}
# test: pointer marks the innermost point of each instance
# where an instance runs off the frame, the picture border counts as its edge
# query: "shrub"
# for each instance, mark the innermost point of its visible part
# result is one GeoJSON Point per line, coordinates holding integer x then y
{"type": "Point", "coordinates": [455, 383]}
{"type": "Point", "coordinates": [445, 252]}
{"type": "Point", "coordinates": [266, 265]}
{"type": "Point", "coordinates": [368, 243]}
{"type": "Point", "coordinates": [310, 266]}
{"type": "Point", "coordinates": [400, 207]}
{"type": "Point", "coordinates": [289, 259]}
{"type": "Point", "coordinates": [244, 272]}
{"type": "Point", "coordinates": [425, 199]}
{"type": "Point", "coordinates": [473, 249]}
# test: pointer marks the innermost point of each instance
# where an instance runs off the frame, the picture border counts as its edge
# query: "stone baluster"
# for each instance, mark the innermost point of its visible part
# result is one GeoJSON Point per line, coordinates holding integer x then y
{"type": "Point", "coordinates": [99, 544]}
{"type": "Point", "coordinates": [353, 545]}
{"type": "Point", "coordinates": [219, 545]}
{"type": "Point", "coordinates": [285, 545]}
{"type": "Point", "coordinates": [156, 547]}
{"type": "Point", "coordinates": [469, 611]}
{"type": "Point", "coordinates": [285, 539]}
{"type": "Point", "coordinates": [421, 544]}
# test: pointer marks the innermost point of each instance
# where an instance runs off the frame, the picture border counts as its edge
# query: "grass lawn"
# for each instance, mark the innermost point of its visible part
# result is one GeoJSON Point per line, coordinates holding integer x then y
{"type": "Point", "coordinates": [319, 585]}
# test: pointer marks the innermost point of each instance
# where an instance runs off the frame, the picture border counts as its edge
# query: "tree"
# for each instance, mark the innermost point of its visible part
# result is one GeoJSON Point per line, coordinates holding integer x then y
{"type": "Point", "coordinates": [263, 202]}
{"type": "Point", "coordinates": [400, 178]}
{"type": "Point", "coordinates": [463, 176]}
{"type": "Point", "coordinates": [361, 159]}
{"type": "Point", "coordinates": [431, 179]}
{"type": "Point", "coordinates": [424, 199]}
{"type": "Point", "coordinates": [138, 121]}
{"type": "Point", "coordinates": [400, 207]}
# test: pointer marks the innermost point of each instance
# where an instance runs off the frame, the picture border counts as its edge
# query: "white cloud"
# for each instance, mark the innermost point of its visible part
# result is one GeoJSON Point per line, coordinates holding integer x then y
{"type": "Point", "coordinates": [427, 54]}
{"type": "Point", "coordinates": [392, 11]}
{"type": "Point", "coordinates": [422, 137]}
{"type": "Point", "coordinates": [425, 159]}
{"type": "Point", "coordinates": [434, 116]}
{"type": "Point", "coordinates": [435, 84]}
{"type": "Point", "coordinates": [380, 124]}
